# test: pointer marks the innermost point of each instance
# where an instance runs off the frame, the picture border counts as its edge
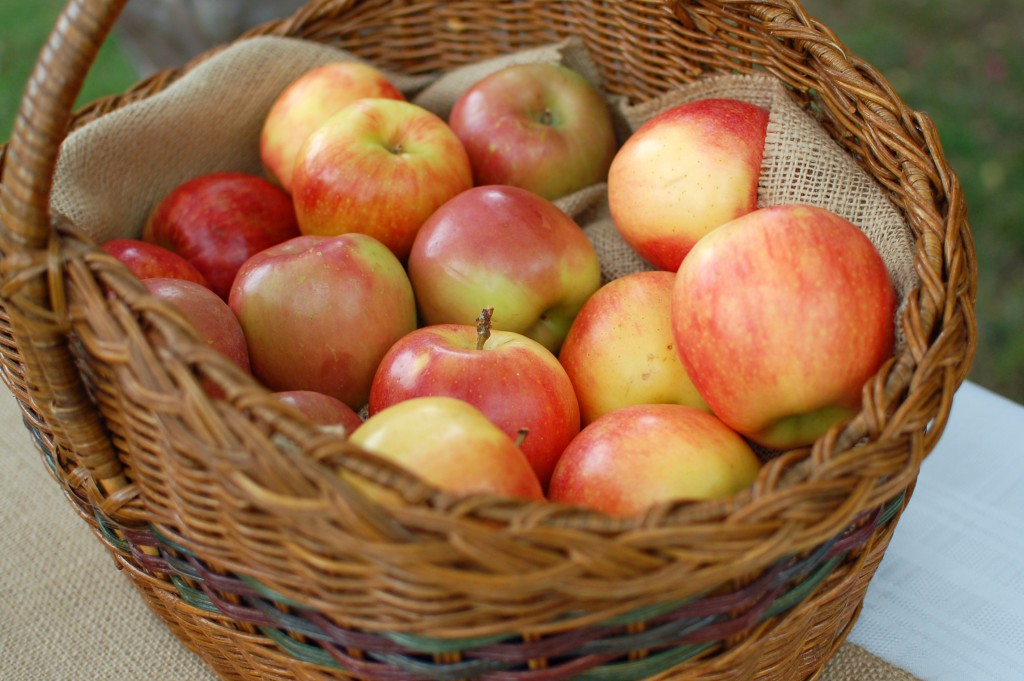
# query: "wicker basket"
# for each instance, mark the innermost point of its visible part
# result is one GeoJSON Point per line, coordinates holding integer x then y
{"type": "Point", "coordinates": [228, 514]}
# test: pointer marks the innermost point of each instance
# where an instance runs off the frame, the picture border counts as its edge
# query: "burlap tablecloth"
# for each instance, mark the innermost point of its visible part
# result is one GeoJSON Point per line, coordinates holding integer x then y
{"type": "Point", "coordinates": [67, 614]}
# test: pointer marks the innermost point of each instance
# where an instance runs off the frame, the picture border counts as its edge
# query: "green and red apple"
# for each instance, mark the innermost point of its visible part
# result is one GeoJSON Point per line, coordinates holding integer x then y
{"type": "Point", "coordinates": [320, 312]}
{"type": "Point", "coordinates": [541, 126]}
{"type": "Point", "coordinates": [507, 248]}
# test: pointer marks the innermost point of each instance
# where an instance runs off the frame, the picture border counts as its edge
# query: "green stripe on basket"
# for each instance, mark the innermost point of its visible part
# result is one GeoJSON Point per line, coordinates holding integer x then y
{"type": "Point", "coordinates": [301, 651]}
{"type": "Point", "coordinates": [650, 612]}
{"type": "Point", "coordinates": [194, 597]}
{"type": "Point", "coordinates": [891, 508]}
{"type": "Point", "coordinates": [619, 671]}
{"type": "Point", "coordinates": [804, 588]}
{"type": "Point", "coordinates": [109, 535]}
{"type": "Point", "coordinates": [634, 670]}
{"type": "Point", "coordinates": [167, 541]}
{"type": "Point", "coordinates": [424, 644]}
{"type": "Point", "coordinates": [270, 594]}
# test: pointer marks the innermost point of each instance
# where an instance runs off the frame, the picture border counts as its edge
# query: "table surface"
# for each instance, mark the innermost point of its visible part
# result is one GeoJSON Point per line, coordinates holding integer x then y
{"type": "Point", "coordinates": [947, 602]}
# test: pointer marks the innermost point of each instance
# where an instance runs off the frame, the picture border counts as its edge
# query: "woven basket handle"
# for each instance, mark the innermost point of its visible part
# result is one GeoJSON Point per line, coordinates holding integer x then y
{"type": "Point", "coordinates": [43, 119]}
{"type": "Point", "coordinates": [34, 253]}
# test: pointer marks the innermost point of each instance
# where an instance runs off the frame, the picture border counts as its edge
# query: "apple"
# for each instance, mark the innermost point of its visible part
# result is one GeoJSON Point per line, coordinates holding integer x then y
{"type": "Point", "coordinates": [620, 350]}
{"type": "Point", "coordinates": [542, 127]}
{"type": "Point", "coordinates": [451, 445]}
{"type": "Point", "coordinates": [207, 312]}
{"type": "Point", "coordinates": [321, 409]}
{"type": "Point", "coordinates": [685, 172]}
{"type": "Point", "coordinates": [149, 261]}
{"type": "Point", "coordinates": [634, 457]}
{"type": "Point", "coordinates": [515, 381]}
{"type": "Point", "coordinates": [319, 313]}
{"type": "Point", "coordinates": [507, 248]}
{"type": "Point", "coordinates": [217, 220]}
{"type": "Point", "coordinates": [307, 102]}
{"type": "Point", "coordinates": [378, 167]}
{"type": "Point", "coordinates": [780, 317]}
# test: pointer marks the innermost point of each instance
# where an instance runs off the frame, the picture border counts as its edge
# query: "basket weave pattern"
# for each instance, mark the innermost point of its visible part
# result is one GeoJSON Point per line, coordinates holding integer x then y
{"type": "Point", "coordinates": [230, 518]}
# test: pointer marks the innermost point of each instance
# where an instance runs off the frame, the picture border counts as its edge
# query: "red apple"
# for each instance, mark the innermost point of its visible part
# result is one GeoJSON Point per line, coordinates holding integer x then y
{"type": "Point", "coordinates": [506, 248]}
{"type": "Point", "coordinates": [515, 381]}
{"type": "Point", "coordinates": [307, 102]}
{"type": "Point", "coordinates": [685, 172]}
{"type": "Point", "coordinates": [542, 127]}
{"type": "Point", "coordinates": [450, 445]}
{"type": "Point", "coordinates": [780, 317]}
{"type": "Point", "coordinates": [321, 409]}
{"type": "Point", "coordinates": [149, 261]}
{"type": "Point", "coordinates": [320, 312]}
{"type": "Point", "coordinates": [217, 220]}
{"type": "Point", "coordinates": [635, 457]}
{"type": "Point", "coordinates": [211, 316]}
{"type": "Point", "coordinates": [620, 350]}
{"type": "Point", "coordinates": [378, 167]}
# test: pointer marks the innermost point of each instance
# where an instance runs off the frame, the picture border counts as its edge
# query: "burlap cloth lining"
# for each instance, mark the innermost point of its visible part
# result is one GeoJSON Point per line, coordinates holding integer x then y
{"type": "Point", "coordinates": [62, 613]}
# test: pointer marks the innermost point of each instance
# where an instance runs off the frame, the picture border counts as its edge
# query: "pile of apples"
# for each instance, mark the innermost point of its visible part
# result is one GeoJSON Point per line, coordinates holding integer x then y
{"type": "Point", "coordinates": [416, 269]}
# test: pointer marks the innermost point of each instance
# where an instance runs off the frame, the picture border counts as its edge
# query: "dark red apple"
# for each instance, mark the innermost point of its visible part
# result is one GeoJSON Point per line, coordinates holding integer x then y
{"type": "Point", "coordinates": [218, 220]}
{"type": "Point", "coordinates": [322, 409]}
{"type": "Point", "coordinates": [150, 261]}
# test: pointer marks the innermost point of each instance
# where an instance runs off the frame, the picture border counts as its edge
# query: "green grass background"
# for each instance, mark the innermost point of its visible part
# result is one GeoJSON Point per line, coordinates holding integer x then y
{"type": "Point", "coordinates": [959, 62]}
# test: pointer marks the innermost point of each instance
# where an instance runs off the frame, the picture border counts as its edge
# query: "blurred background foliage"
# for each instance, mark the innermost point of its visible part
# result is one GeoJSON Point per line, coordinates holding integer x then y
{"type": "Point", "coordinates": [959, 62]}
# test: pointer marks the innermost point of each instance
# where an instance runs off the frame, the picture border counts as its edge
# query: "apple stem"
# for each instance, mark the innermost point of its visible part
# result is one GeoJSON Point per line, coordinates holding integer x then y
{"type": "Point", "coordinates": [483, 327]}
{"type": "Point", "coordinates": [521, 436]}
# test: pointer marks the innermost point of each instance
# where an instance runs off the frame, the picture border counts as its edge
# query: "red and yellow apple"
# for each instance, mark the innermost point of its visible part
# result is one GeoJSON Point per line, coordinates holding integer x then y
{"type": "Point", "coordinates": [510, 249]}
{"type": "Point", "coordinates": [451, 445]}
{"type": "Point", "coordinates": [620, 350]}
{"type": "Point", "coordinates": [685, 172]}
{"type": "Point", "coordinates": [542, 127]}
{"type": "Point", "coordinates": [320, 312]}
{"type": "Point", "coordinates": [378, 167]}
{"type": "Point", "coordinates": [149, 261]}
{"type": "Point", "coordinates": [515, 381]}
{"type": "Point", "coordinates": [780, 317]}
{"type": "Point", "coordinates": [217, 220]}
{"type": "Point", "coordinates": [322, 409]}
{"type": "Point", "coordinates": [634, 457]}
{"type": "Point", "coordinates": [307, 102]}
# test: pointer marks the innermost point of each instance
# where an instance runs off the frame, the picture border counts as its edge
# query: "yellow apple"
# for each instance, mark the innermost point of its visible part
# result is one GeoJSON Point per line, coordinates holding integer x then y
{"type": "Point", "coordinates": [450, 444]}
{"type": "Point", "coordinates": [620, 350]}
